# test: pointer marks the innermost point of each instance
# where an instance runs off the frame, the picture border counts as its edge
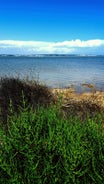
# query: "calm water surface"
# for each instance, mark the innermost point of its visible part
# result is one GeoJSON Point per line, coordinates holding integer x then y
{"type": "Point", "coordinates": [56, 71]}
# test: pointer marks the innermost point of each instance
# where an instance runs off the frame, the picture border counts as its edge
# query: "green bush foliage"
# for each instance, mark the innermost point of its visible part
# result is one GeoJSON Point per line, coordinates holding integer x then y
{"type": "Point", "coordinates": [44, 147]}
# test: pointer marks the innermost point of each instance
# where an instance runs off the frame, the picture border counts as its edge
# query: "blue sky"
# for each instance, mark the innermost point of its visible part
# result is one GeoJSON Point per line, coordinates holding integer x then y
{"type": "Point", "coordinates": [51, 26]}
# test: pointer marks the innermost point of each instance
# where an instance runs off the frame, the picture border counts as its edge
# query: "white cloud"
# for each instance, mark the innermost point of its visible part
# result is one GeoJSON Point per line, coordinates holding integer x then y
{"type": "Point", "coordinates": [40, 47]}
{"type": "Point", "coordinates": [79, 43]}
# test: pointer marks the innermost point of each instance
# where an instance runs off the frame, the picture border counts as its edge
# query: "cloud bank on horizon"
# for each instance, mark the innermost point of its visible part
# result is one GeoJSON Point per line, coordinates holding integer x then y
{"type": "Point", "coordinates": [41, 47]}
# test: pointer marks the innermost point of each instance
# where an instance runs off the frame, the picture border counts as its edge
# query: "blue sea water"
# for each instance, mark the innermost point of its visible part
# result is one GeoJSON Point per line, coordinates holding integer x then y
{"type": "Point", "coordinates": [56, 71]}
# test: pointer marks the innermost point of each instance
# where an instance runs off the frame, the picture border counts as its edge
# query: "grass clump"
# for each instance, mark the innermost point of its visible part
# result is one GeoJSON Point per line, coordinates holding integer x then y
{"type": "Point", "coordinates": [14, 88]}
{"type": "Point", "coordinates": [43, 147]}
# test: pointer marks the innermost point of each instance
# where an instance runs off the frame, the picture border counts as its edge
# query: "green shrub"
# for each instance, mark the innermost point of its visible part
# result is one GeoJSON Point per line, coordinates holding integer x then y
{"type": "Point", "coordinates": [13, 88]}
{"type": "Point", "coordinates": [44, 147]}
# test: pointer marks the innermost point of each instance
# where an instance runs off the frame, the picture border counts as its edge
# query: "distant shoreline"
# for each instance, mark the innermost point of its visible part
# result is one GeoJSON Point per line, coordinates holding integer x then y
{"type": "Point", "coordinates": [51, 55]}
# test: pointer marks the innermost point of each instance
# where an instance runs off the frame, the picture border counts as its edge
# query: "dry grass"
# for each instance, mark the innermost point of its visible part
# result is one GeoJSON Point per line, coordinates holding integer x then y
{"type": "Point", "coordinates": [80, 104]}
{"type": "Point", "coordinates": [13, 89]}
{"type": "Point", "coordinates": [36, 94]}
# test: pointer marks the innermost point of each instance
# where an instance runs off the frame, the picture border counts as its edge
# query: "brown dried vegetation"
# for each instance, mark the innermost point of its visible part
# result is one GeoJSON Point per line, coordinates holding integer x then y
{"type": "Point", "coordinates": [13, 89]}
{"type": "Point", "coordinates": [87, 103]}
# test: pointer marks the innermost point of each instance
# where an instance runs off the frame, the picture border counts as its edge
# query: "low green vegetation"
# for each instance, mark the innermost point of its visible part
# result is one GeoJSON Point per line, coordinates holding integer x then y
{"type": "Point", "coordinates": [41, 146]}
{"type": "Point", "coordinates": [44, 147]}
